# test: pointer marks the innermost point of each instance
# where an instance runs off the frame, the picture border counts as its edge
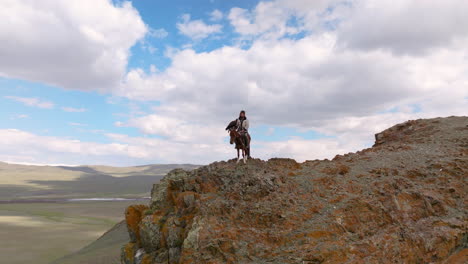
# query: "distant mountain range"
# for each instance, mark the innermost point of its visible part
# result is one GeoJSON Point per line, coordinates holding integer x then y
{"type": "Point", "coordinates": [31, 182]}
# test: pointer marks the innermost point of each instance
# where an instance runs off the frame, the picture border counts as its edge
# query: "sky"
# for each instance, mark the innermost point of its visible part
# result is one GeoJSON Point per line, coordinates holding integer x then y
{"type": "Point", "coordinates": [147, 81]}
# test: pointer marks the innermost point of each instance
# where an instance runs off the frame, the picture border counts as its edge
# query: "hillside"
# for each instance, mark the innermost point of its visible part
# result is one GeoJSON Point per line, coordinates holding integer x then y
{"type": "Point", "coordinates": [401, 201]}
{"type": "Point", "coordinates": [104, 250]}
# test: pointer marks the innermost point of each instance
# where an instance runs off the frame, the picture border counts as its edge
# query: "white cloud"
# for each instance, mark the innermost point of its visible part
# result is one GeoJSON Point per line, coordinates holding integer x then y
{"type": "Point", "coordinates": [22, 146]}
{"type": "Point", "coordinates": [71, 44]}
{"type": "Point", "coordinates": [318, 82]}
{"type": "Point", "coordinates": [301, 149]}
{"type": "Point", "coordinates": [196, 29]}
{"type": "Point", "coordinates": [356, 70]}
{"type": "Point", "coordinates": [74, 110]}
{"type": "Point", "coordinates": [270, 131]}
{"type": "Point", "coordinates": [268, 19]}
{"type": "Point", "coordinates": [401, 26]}
{"type": "Point", "coordinates": [297, 82]}
{"type": "Point", "coordinates": [32, 101]}
{"type": "Point", "coordinates": [216, 15]}
{"type": "Point", "coordinates": [159, 33]}
{"type": "Point", "coordinates": [119, 124]}
{"type": "Point", "coordinates": [148, 47]}
{"type": "Point", "coordinates": [177, 130]}
{"type": "Point", "coordinates": [404, 26]}
{"type": "Point", "coordinates": [275, 19]}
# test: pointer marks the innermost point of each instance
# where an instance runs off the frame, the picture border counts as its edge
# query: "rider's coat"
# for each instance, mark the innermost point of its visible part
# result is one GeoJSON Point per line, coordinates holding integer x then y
{"type": "Point", "coordinates": [245, 124]}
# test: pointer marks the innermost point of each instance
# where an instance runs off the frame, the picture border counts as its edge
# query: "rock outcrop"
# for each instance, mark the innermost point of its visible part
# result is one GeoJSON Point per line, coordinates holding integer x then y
{"type": "Point", "coordinates": [402, 201]}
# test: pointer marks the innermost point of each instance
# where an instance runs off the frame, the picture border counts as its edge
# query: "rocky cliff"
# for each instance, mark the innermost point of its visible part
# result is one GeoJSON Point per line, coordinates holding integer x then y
{"type": "Point", "coordinates": [402, 201]}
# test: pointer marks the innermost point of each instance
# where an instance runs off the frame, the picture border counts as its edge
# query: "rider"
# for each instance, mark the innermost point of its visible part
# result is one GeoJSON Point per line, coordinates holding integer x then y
{"type": "Point", "coordinates": [242, 125]}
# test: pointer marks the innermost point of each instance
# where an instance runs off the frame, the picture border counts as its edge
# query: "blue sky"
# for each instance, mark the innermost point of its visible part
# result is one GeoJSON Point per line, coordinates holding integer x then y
{"type": "Point", "coordinates": [103, 110]}
{"type": "Point", "coordinates": [165, 15]}
{"type": "Point", "coordinates": [131, 83]}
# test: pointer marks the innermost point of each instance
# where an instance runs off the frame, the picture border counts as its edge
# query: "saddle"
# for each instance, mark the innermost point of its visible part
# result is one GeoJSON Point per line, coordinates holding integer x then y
{"type": "Point", "coordinates": [245, 137]}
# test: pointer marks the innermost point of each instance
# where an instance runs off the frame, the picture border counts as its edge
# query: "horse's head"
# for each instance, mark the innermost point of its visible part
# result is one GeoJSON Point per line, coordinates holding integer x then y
{"type": "Point", "coordinates": [233, 134]}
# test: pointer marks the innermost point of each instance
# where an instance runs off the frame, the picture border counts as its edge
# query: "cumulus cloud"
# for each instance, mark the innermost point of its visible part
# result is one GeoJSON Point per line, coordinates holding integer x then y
{"type": "Point", "coordinates": [328, 80]}
{"type": "Point", "coordinates": [267, 18]}
{"type": "Point", "coordinates": [404, 26]}
{"type": "Point", "coordinates": [32, 101]}
{"type": "Point", "coordinates": [400, 26]}
{"type": "Point", "coordinates": [176, 130]}
{"type": "Point", "coordinates": [70, 44]}
{"type": "Point", "coordinates": [275, 19]}
{"type": "Point", "coordinates": [196, 29]}
{"type": "Point", "coordinates": [22, 146]}
{"type": "Point", "coordinates": [356, 68]}
{"type": "Point", "coordinates": [32, 148]}
{"type": "Point", "coordinates": [297, 82]}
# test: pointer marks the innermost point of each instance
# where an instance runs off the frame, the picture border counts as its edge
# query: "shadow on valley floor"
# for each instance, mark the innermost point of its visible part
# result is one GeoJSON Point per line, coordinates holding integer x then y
{"type": "Point", "coordinates": [85, 169]}
{"type": "Point", "coordinates": [100, 185]}
{"type": "Point", "coordinates": [8, 192]}
{"type": "Point", "coordinates": [93, 182]}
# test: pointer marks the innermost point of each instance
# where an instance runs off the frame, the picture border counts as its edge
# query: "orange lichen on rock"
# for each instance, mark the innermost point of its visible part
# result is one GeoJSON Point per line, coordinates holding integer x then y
{"type": "Point", "coordinates": [208, 187]}
{"type": "Point", "coordinates": [133, 216]}
{"type": "Point", "coordinates": [319, 234]}
{"type": "Point", "coordinates": [340, 169]}
{"type": "Point", "coordinates": [460, 257]}
{"type": "Point", "coordinates": [186, 199]}
{"type": "Point", "coordinates": [129, 251]}
{"type": "Point", "coordinates": [147, 259]}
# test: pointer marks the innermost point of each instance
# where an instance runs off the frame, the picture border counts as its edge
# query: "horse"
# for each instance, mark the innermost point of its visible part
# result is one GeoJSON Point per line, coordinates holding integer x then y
{"type": "Point", "coordinates": [237, 138]}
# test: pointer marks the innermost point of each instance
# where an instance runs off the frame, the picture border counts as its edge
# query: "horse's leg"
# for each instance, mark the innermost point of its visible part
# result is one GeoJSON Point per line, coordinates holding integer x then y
{"type": "Point", "coordinates": [247, 151]}
{"type": "Point", "coordinates": [244, 156]}
{"type": "Point", "coordinates": [238, 156]}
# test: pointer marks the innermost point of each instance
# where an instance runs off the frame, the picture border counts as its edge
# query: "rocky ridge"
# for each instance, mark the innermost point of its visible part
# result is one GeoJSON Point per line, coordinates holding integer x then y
{"type": "Point", "coordinates": [401, 201]}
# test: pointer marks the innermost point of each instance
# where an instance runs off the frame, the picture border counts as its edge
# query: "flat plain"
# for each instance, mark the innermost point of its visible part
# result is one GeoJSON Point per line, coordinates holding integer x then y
{"type": "Point", "coordinates": [41, 232]}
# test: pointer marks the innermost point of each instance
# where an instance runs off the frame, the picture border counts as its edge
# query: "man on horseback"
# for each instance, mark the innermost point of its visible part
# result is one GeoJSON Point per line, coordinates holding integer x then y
{"type": "Point", "coordinates": [242, 126]}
